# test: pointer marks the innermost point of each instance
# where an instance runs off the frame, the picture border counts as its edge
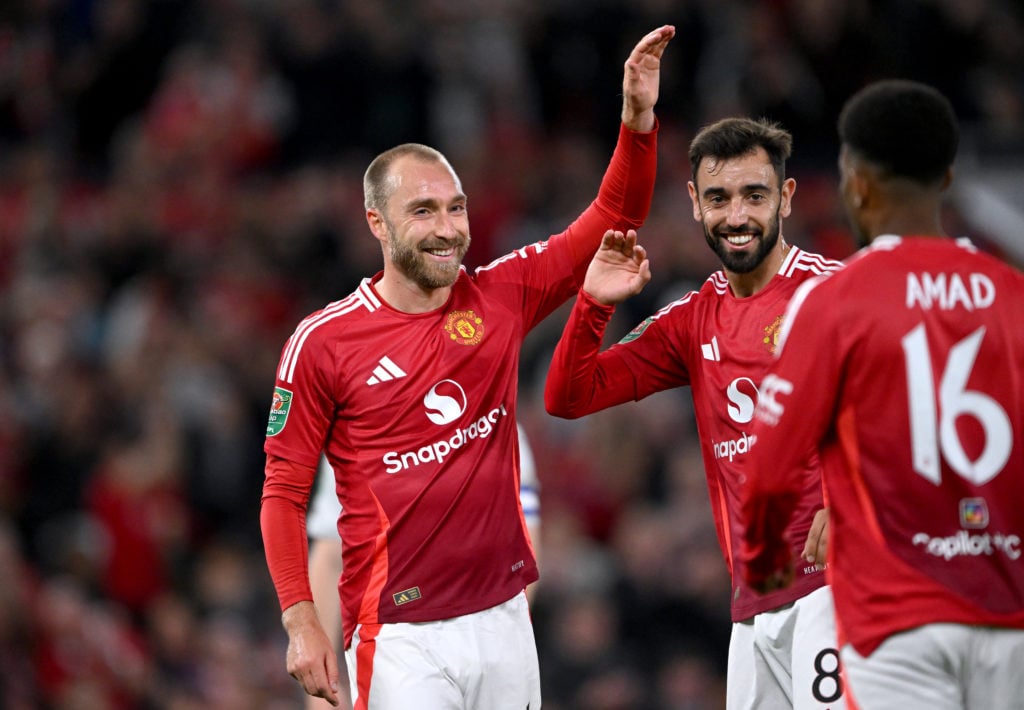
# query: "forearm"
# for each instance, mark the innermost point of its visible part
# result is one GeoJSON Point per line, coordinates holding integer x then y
{"type": "Point", "coordinates": [578, 382]}
{"type": "Point", "coordinates": [627, 186]}
{"type": "Point", "coordinates": [283, 526]}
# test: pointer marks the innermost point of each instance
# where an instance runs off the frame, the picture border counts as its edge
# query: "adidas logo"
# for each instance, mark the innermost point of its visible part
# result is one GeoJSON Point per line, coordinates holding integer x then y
{"type": "Point", "coordinates": [386, 371]}
{"type": "Point", "coordinates": [710, 350]}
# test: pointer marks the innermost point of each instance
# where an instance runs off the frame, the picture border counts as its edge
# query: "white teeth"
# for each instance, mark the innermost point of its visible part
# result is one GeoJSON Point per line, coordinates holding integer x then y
{"type": "Point", "coordinates": [740, 240]}
{"type": "Point", "coordinates": [441, 252]}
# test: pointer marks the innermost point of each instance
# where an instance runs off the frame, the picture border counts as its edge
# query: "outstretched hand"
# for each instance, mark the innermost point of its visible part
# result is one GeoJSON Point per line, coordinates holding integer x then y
{"type": "Point", "coordinates": [619, 269]}
{"type": "Point", "coordinates": [641, 79]}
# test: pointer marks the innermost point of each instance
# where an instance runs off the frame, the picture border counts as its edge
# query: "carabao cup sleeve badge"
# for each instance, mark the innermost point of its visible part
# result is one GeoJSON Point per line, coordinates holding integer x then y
{"type": "Point", "coordinates": [279, 411]}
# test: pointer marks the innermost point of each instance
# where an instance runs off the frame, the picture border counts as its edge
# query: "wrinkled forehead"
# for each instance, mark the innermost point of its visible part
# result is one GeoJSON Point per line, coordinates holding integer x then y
{"type": "Point", "coordinates": [753, 167]}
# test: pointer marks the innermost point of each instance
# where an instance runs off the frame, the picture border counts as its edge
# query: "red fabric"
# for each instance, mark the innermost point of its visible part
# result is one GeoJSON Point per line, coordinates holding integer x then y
{"type": "Point", "coordinates": [720, 346]}
{"type": "Point", "coordinates": [283, 523]}
{"type": "Point", "coordinates": [416, 415]}
{"type": "Point", "coordinates": [904, 370]}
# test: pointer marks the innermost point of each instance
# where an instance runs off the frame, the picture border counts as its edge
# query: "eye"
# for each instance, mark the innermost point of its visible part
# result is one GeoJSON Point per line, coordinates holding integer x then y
{"type": "Point", "coordinates": [458, 209]}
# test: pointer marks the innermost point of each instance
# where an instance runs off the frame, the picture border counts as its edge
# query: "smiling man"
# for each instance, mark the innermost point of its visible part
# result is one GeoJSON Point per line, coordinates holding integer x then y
{"type": "Point", "coordinates": [719, 341]}
{"type": "Point", "coordinates": [408, 387]}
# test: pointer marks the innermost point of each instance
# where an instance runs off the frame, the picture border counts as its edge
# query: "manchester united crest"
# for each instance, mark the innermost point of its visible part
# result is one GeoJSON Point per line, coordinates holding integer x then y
{"type": "Point", "coordinates": [771, 334]}
{"type": "Point", "coordinates": [464, 327]}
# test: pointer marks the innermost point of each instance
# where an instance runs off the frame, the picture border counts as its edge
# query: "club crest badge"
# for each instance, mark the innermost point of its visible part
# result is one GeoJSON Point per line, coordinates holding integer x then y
{"type": "Point", "coordinates": [771, 334]}
{"type": "Point", "coordinates": [464, 327]}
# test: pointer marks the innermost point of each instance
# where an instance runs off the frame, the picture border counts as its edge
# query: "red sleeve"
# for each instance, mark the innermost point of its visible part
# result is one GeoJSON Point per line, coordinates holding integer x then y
{"type": "Point", "coordinates": [624, 198]}
{"type": "Point", "coordinates": [793, 414]}
{"type": "Point", "coordinates": [580, 380]}
{"type": "Point", "coordinates": [283, 523]}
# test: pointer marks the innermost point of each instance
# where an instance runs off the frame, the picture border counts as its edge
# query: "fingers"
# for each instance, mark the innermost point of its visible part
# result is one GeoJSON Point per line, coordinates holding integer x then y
{"type": "Point", "coordinates": [318, 686]}
{"type": "Point", "coordinates": [816, 547]}
{"type": "Point", "coordinates": [654, 42]}
{"type": "Point", "coordinates": [624, 243]}
{"type": "Point", "coordinates": [641, 79]}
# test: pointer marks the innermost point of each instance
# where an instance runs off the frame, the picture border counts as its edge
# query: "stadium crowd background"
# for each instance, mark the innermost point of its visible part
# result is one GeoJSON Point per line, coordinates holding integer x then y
{"type": "Point", "coordinates": [180, 182]}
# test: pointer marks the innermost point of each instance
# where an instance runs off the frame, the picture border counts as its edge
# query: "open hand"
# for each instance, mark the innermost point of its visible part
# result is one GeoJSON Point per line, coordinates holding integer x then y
{"type": "Point", "coordinates": [619, 269]}
{"type": "Point", "coordinates": [641, 79]}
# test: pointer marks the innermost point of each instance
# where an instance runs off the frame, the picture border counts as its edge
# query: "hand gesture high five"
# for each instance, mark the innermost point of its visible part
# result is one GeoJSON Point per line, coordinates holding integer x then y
{"type": "Point", "coordinates": [619, 269]}
{"type": "Point", "coordinates": [641, 77]}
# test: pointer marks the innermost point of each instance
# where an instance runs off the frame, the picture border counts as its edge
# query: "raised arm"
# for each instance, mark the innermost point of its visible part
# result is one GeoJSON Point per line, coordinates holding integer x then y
{"type": "Point", "coordinates": [641, 79]}
{"type": "Point", "coordinates": [577, 383]}
{"type": "Point", "coordinates": [624, 197]}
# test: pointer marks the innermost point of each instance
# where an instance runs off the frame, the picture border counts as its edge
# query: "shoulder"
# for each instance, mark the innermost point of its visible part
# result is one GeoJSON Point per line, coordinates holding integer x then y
{"type": "Point", "coordinates": [326, 325]}
{"type": "Point", "coordinates": [804, 264]}
{"type": "Point", "coordinates": [357, 304]}
{"type": "Point", "coordinates": [681, 306]}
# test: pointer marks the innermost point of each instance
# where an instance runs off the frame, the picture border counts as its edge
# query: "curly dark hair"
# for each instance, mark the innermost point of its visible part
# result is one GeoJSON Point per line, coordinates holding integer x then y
{"type": "Point", "coordinates": [906, 128]}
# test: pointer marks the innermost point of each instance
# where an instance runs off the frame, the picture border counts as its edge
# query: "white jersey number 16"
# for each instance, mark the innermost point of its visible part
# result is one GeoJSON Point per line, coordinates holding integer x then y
{"type": "Point", "coordinates": [933, 419]}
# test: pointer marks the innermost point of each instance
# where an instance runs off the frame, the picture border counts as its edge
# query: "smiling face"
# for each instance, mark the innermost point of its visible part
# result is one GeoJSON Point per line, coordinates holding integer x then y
{"type": "Point", "coordinates": [740, 204]}
{"type": "Point", "coordinates": [424, 225]}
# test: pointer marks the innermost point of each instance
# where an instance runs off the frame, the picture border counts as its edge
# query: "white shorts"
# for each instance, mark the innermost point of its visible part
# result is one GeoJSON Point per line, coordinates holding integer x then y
{"type": "Point", "coordinates": [481, 661]}
{"type": "Point", "coordinates": [940, 667]}
{"type": "Point", "coordinates": [786, 658]}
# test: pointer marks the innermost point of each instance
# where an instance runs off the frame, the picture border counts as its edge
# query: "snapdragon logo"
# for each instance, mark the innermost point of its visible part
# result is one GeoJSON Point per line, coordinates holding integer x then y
{"type": "Point", "coordinates": [444, 403]}
{"type": "Point", "coordinates": [733, 447]}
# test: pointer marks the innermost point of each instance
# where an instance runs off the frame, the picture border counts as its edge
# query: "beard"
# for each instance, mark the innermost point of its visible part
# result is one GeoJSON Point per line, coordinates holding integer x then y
{"type": "Point", "coordinates": [411, 261]}
{"type": "Point", "coordinates": [746, 261]}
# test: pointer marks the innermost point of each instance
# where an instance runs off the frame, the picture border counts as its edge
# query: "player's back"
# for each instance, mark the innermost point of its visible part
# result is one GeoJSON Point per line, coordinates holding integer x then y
{"type": "Point", "coordinates": [931, 428]}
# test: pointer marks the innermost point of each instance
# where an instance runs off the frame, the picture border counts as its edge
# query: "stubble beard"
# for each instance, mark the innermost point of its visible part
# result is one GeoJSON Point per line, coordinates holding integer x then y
{"type": "Point", "coordinates": [415, 265]}
{"type": "Point", "coordinates": [744, 262]}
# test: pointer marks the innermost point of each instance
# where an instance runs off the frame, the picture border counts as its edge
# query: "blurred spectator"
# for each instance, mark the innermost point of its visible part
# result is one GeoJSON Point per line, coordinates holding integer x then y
{"type": "Point", "coordinates": [168, 166]}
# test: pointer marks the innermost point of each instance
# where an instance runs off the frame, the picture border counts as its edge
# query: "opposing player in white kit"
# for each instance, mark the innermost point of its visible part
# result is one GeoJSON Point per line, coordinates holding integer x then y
{"type": "Point", "coordinates": [325, 546]}
{"type": "Point", "coordinates": [719, 341]}
{"type": "Point", "coordinates": [906, 371]}
{"type": "Point", "coordinates": [409, 387]}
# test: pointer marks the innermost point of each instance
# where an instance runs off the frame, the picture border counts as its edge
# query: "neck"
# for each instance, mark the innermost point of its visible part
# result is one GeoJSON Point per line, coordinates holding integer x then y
{"type": "Point", "coordinates": [906, 214]}
{"type": "Point", "coordinates": [407, 296]}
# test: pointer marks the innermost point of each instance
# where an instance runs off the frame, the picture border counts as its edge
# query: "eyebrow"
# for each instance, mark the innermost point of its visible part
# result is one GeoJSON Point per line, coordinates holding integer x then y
{"type": "Point", "coordinates": [432, 201]}
{"type": "Point", "coordinates": [745, 189]}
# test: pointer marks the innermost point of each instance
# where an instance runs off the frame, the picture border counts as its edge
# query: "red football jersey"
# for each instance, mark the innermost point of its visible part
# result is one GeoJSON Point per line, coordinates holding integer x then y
{"type": "Point", "coordinates": [721, 346]}
{"type": "Point", "coordinates": [416, 414]}
{"type": "Point", "coordinates": [908, 368]}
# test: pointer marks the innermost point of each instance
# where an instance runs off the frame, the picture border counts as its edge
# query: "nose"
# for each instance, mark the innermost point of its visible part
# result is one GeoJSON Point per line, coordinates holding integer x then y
{"type": "Point", "coordinates": [737, 215]}
{"type": "Point", "coordinates": [444, 226]}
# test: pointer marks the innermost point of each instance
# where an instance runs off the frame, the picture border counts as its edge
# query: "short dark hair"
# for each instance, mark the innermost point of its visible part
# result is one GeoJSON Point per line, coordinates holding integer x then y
{"type": "Point", "coordinates": [906, 128]}
{"type": "Point", "coordinates": [734, 137]}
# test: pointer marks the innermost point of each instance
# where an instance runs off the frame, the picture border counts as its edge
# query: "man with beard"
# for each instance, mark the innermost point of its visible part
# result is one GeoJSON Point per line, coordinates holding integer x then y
{"type": "Point", "coordinates": [408, 387]}
{"type": "Point", "coordinates": [719, 341]}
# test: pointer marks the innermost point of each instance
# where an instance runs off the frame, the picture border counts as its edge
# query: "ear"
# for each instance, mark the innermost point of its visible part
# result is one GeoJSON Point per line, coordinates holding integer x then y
{"type": "Point", "coordinates": [947, 179]}
{"type": "Point", "coordinates": [786, 197]}
{"type": "Point", "coordinates": [378, 227]}
{"type": "Point", "coordinates": [861, 187]}
{"type": "Point", "coordinates": [692, 189]}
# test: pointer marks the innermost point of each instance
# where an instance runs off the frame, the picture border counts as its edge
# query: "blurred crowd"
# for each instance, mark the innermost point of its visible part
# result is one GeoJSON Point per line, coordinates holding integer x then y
{"type": "Point", "coordinates": [180, 183]}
